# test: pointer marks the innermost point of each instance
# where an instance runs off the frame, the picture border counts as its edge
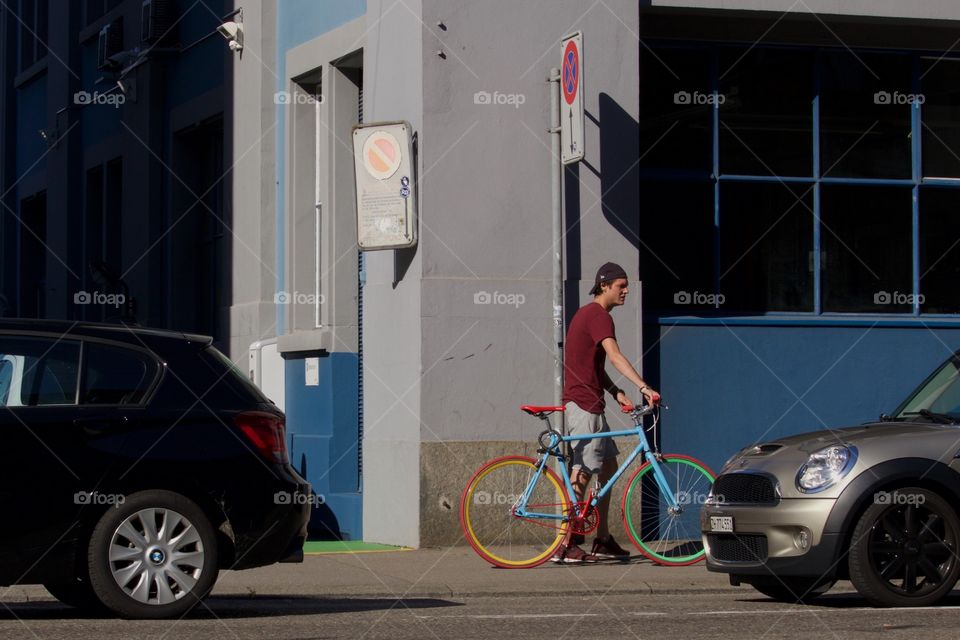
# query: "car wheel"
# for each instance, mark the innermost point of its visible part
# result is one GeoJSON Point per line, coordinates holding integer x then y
{"type": "Point", "coordinates": [903, 550]}
{"type": "Point", "coordinates": [75, 593]}
{"type": "Point", "coordinates": [794, 590]}
{"type": "Point", "coordinates": [153, 556]}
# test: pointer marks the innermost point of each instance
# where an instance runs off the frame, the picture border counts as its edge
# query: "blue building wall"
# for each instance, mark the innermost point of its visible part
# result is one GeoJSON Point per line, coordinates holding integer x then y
{"type": "Point", "coordinates": [96, 125]}
{"type": "Point", "coordinates": [189, 84]}
{"type": "Point", "coordinates": [732, 383]}
{"type": "Point", "coordinates": [32, 112]}
{"type": "Point", "coordinates": [137, 132]}
{"type": "Point", "coordinates": [322, 421]}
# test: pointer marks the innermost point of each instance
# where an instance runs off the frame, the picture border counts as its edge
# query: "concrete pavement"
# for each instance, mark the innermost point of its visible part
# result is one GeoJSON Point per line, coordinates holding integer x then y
{"type": "Point", "coordinates": [458, 571]}
{"type": "Point", "coordinates": [454, 572]}
{"type": "Point", "coordinates": [451, 572]}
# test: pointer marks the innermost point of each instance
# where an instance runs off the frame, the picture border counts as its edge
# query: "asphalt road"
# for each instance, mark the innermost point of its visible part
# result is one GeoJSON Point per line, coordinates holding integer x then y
{"type": "Point", "coordinates": [727, 615]}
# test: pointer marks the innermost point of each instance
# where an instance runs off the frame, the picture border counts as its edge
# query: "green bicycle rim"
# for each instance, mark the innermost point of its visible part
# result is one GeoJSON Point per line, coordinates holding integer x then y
{"type": "Point", "coordinates": [628, 517]}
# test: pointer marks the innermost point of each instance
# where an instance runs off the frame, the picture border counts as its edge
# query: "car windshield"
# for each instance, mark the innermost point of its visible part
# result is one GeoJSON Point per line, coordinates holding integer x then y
{"type": "Point", "coordinates": [937, 398]}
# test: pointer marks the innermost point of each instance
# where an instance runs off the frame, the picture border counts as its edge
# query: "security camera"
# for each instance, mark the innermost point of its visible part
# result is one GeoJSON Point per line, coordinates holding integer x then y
{"type": "Point", "coordinates": [233, 34]}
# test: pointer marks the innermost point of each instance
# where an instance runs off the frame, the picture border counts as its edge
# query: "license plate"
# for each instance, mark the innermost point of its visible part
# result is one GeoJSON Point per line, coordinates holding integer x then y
{"type": "Point", "coordinates": [721, 524]}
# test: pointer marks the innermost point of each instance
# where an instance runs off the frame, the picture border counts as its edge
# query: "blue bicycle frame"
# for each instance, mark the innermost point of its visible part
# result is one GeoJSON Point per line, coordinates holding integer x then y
{"type": "Point", "coordinates": [643, 447]}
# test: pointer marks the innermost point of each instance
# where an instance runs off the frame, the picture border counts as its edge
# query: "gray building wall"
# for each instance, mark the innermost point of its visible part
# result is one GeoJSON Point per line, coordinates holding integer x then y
{"type": "Point", "coordinates": [486, 220]}
{"type": "Point", "coordinates": [253, 123]}
{"type": "Point", "coordinates": [393, 335]}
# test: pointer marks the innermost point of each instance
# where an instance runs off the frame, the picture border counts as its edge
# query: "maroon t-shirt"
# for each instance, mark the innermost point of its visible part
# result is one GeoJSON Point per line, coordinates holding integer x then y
{"type": "Point", "coordinates": [584, 357]}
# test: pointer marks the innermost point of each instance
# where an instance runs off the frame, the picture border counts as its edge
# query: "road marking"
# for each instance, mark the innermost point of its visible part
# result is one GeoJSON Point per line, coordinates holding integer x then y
{"type": "Point", "coordinates": [804, 610]}
{"type": "Point", "coordinates": [812, 609]}
{"type": "Point", "coordinates": [506, 616]}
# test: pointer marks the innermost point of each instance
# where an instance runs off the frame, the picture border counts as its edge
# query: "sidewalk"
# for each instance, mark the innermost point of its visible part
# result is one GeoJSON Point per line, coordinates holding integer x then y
{"type": "Point", "coordinates": [453, 572]}
{"type": "Point", "coordinates": [457, 572]}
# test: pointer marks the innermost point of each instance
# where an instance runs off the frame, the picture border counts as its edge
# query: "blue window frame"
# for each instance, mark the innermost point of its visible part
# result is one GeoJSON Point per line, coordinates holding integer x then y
{"type": "Point", "coordinates": [799, 180]}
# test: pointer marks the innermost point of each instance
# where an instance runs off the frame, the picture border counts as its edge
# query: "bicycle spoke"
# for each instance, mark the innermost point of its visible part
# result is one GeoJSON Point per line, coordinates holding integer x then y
{"type": "Point", "coordinates": [488, 517]}
{"type": "Point", "coordinates": [666, 535]}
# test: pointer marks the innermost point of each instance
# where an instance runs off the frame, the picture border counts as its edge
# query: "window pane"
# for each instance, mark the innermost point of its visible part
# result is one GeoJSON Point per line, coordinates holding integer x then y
{"type": "Point", "coordinates": [38, 371]}
{"type": "Point", "coordinates": [766, 115]}
{"type": "Point", "coordinates": [865, 115]}
{"type": "Point", "coordinates": [866, 235]}
{"type": "Point", "coordinates": [27, 28]}
{"type": "Point", "coordinates": [941, 117]}
{"type": "Point", "coordinates": [939, 250]}
{"type": "Point", "coordinates": [94, 10]}
{"type": "Point", "coordinates": [676, 242]}
{"type": "Point", "coordinates": [674, 117]}
{"type": "Point", "coordinates": [42, 35]}
{"type": "Point", "coordinates": [33, 256]}
{"type": "Point", "coordinates": [766, 240]}
{"type": "Point", "coordinates": [93, 240]}
{"type": "Point", "coordinates": [6, 380]}
{"type": "Point", "coordinates": [113, 375]}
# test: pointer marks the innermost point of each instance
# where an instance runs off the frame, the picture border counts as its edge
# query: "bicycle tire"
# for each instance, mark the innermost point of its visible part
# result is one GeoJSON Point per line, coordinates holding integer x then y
{"type": "Point", "coordinates": [667, 537]}
{"type": "Point", "coordinates": [495, 533]}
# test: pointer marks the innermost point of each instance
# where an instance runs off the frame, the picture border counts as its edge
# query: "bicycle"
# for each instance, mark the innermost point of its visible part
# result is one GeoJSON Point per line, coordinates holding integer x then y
{"type": "Point", "coordinates": [515, 511]}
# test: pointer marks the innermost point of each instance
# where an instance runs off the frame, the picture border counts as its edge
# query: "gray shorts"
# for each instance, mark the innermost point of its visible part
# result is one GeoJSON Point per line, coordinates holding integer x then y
{"type": "Point", "coordinates": [588, 454]}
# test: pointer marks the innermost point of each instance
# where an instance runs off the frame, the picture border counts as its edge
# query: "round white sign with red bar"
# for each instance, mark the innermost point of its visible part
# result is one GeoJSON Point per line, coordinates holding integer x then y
{"type": "Point", "coordinates": [381, 155]}
{"type": "Point", "coordinates": [386, 194]}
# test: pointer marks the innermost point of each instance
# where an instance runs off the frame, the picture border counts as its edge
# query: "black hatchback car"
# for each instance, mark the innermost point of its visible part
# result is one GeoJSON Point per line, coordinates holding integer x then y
{"type": "Point", "coordinates": [139, 463]}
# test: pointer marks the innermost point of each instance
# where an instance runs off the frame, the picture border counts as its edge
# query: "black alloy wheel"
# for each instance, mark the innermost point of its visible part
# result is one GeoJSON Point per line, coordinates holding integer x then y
{"type": "Point", "coordinates": [904, 549]}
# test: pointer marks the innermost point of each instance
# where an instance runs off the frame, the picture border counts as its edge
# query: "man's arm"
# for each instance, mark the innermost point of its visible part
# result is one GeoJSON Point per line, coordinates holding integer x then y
{"type": "Point", "coordinates": [609, 385]}
{"type": "Point", "coordinates": [620, 362]}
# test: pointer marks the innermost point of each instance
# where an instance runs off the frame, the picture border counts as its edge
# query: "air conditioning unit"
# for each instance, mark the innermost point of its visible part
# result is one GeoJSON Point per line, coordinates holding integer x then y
{"type": "Point", "coordinates": [156, 20]}
{"type": "Point", "coordinates": [111, 43]}
{"type": "Point", "coordinates": [267, 370]}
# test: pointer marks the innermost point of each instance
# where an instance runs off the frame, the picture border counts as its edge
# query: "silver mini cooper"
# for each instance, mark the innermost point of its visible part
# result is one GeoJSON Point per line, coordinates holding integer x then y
{"type": "Point", "coordinates": [876, 504]}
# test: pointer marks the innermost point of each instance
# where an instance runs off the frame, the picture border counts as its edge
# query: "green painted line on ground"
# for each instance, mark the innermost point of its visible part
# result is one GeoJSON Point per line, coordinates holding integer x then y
{"type": "Point", "coordinates": [348, 546]}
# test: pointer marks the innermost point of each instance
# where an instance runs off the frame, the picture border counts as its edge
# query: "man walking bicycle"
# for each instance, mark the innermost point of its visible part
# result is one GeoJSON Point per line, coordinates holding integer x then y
{"type": "Point", "coordinates": [591, 339]}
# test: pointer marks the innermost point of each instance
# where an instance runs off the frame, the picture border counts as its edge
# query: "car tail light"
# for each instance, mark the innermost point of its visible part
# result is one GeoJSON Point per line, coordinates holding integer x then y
{"type": "Point", "coordinates": [266, 432]}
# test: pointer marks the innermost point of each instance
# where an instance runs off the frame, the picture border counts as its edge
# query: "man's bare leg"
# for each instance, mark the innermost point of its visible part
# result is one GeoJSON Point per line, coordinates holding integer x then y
{"type": "Point", "coordinates": [603, 507]}
{"type": "Point", "coordinates": [580, 480]}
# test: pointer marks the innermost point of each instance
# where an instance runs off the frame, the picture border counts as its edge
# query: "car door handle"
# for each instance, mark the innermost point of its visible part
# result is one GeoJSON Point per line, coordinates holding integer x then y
{"type": "Point", "coordinates": [95, 425]}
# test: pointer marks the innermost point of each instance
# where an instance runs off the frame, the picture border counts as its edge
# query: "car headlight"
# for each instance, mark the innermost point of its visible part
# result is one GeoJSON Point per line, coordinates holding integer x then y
{"type": "Point", "coordinates": [825, 467]}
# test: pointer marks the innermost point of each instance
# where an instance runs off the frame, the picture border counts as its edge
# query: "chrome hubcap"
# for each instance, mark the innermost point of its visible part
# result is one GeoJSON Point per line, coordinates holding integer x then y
{"type": "Point", "coordinates": [156, 556]}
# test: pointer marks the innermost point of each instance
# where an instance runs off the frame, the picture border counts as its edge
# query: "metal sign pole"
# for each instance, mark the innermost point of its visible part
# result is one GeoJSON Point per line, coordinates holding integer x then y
{"type": "Point", "coordinates": [555, 183]}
